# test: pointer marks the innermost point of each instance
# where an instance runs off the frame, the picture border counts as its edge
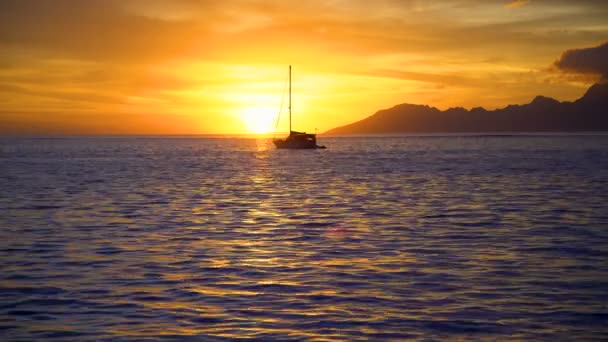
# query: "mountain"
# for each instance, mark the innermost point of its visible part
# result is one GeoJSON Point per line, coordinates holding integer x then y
{"type": "Point", "coordinates": [543, 114]}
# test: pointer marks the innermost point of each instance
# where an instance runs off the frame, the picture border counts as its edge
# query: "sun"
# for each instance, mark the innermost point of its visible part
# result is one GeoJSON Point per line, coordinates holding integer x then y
{"type": "Point", "coordinates": [259, 119]}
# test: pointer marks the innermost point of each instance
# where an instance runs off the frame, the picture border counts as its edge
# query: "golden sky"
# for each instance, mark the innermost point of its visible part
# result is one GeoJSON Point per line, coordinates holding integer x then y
{"type": "Point", "coordinates": [215, 67]}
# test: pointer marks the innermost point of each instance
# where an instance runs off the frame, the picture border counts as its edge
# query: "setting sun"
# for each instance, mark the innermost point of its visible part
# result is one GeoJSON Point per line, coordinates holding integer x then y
{"type": "Point", "coordinates": [259, 119]}
{"type": "Point", "coordinates": [82, 67]}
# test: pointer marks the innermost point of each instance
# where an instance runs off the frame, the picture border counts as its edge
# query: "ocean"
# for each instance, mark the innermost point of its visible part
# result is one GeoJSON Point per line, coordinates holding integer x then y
{"type": "Point", "coordinates": [455, 237]}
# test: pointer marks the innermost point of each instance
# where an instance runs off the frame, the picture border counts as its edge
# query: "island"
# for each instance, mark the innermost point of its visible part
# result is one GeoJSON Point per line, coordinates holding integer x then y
{"type": "Point", "coordinates": [543, 114]}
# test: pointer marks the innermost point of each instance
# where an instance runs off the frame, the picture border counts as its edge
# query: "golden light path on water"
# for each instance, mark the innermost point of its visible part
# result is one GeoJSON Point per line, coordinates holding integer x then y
{"type": "Point", "coordinates": [374, 238]}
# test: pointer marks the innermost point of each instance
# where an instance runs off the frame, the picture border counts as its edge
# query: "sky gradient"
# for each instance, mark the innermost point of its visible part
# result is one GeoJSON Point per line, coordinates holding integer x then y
{"type": "Point", "coordinates": [219, 67]}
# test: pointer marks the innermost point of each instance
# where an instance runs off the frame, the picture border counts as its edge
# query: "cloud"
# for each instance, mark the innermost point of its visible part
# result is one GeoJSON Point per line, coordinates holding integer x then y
{"type": "Point", "coordinates": [152, 31]}
{"type": "Point", "coordinates": [593, 60]}
{"type": "Point", "coordinates": [97, 30]}
{"type": "Point", "coordinates": [517, 3]}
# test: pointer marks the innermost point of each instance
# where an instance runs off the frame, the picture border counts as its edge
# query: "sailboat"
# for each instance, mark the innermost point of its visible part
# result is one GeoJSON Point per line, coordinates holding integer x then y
{"type": "Point", "coordinates": [296, 140]}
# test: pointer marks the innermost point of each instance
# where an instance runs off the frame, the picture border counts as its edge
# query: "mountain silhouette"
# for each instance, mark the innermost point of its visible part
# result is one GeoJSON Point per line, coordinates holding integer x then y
{"type": "Point", "coordinates": [543, 114]}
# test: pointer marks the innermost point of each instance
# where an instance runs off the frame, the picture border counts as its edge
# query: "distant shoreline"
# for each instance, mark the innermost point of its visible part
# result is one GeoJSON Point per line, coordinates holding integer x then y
{"type": "Point", "coordinates": [543, 114]}
{"type": "Point", "coordinates": [322, 136]}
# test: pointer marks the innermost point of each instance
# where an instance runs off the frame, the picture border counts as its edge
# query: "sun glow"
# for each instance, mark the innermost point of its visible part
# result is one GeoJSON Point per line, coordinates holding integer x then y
{"type": "Point", "coordinates": [259, 119]}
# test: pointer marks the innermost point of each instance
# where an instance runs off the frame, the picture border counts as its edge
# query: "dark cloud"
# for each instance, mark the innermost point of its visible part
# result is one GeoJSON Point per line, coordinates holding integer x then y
{"type": "Point", "coordinates": [593, 60]}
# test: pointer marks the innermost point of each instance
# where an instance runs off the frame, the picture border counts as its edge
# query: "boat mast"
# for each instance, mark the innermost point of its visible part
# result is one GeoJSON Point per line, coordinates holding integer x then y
{"type": "Point", "coordinates": [290, 99]}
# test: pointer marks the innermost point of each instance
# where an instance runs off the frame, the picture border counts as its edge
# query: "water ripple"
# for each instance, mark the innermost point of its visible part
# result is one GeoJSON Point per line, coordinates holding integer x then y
{"type": "Point", "coordinates": [123, 238]}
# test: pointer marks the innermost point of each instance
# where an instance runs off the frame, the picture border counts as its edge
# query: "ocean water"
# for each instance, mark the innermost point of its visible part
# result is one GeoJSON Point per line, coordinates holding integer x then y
{"type": "Point", "coordinates": [379, 238]}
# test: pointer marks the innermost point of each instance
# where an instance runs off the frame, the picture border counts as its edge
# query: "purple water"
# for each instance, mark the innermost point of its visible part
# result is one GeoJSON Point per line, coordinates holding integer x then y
{"type": "Point", "coordinates": [458, 237]}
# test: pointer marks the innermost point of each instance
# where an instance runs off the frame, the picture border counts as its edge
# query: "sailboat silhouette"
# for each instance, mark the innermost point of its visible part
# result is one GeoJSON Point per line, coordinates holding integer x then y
{"type": "Point", "coordinates": [296, 140]}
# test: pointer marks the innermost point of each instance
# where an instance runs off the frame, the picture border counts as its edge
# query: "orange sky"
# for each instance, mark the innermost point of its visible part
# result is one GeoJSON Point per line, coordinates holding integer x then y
{"type": "Point", "coordinates": [198, 67]}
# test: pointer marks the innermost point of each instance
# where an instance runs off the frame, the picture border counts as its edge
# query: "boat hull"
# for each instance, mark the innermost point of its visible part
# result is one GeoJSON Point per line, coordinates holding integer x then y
{"type": "Point", "coordinates": [282, 144]}
{"type": "Point", "coordinates": [298, 141]}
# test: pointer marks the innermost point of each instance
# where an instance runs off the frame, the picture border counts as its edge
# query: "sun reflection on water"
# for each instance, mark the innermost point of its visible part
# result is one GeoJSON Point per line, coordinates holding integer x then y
{"type": "Point", "coordinates": [168, 238]}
